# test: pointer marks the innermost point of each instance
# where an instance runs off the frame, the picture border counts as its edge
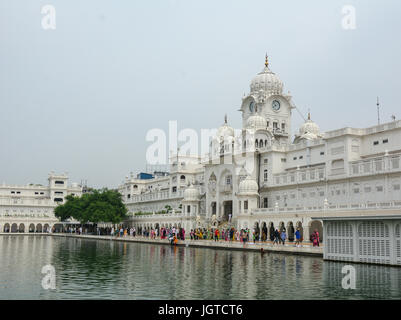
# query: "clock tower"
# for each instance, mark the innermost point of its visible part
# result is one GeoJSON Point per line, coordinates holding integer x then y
{"type": "Point", "coordinates": [267, 100]}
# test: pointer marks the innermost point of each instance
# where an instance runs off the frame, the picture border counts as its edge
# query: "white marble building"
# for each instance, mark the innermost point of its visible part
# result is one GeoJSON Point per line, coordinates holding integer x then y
{"type": "Point", "coordinates": [30, 208]}
{"type": "Point", "coordinates": [265, 178]}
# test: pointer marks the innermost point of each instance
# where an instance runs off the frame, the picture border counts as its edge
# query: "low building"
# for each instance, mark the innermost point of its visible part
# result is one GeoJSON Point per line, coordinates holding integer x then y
{"type": "Point", "coordinates": [30, 208]}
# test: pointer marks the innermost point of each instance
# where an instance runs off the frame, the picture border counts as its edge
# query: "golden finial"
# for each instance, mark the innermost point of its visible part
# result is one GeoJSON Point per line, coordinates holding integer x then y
{"type": "Point", "coordinates": [266, 61]}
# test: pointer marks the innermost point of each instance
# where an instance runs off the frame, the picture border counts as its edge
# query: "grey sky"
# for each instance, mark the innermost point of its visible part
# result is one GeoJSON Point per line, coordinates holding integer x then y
{"type": "Point", "coordinates": [82, 97]}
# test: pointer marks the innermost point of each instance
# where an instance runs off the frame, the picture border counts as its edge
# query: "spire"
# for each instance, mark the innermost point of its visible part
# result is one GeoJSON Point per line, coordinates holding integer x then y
{"type": "Point", "coordinates": [266, 61]}
{"type": "Point", "coordinates": [225, 118]}
{"type": "Point", "coordinates": [308, 115]}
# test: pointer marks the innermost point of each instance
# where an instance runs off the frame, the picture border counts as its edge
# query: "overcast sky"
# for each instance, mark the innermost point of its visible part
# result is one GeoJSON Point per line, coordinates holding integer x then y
{"type": "Point", "coordinates": [82, 97]}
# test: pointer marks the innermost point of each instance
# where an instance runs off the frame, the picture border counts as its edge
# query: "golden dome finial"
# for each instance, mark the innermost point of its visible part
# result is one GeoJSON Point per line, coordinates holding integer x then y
{"type": "Point", "coordinates": [267, 61]}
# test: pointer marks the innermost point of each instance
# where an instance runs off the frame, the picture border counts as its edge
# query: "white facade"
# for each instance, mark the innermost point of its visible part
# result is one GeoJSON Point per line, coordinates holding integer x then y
{"type": "Point", "coordinates": [30, 208]}
{"type": "Point", "coordinates": [314, 171]}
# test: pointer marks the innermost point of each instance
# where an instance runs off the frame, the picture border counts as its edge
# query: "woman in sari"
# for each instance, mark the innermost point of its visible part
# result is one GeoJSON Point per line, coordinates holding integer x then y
{"type": "Point", "coordinates": [315, 238]}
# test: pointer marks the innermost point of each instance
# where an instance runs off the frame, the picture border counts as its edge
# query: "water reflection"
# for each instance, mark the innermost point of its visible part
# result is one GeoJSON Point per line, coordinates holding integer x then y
{"type": "Point", "coordinates": [90, 269]}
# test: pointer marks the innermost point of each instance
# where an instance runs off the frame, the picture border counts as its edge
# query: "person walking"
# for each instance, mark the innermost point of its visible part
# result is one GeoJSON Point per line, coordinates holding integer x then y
{"type": "Point", "coordinates": [283, 237]}
{"type": "Point", "coordinates": [297, 237]}
{"type": "Point", "coordinates": [276, 237]}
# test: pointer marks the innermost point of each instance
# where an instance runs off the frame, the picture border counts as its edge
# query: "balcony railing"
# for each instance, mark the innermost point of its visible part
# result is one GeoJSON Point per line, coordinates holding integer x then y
{"type": "Point", "coordinates": [156, 196]}
{"type": "Point", "coordinates": [390, 163]}
{"type": "Point", "coordinates": [337, 207]}
{"type": "Point", "coordinates": [301, 176]}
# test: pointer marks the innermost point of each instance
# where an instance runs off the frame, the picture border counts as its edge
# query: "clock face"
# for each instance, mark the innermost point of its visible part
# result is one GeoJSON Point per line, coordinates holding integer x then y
{"type": "Point", "coordinates": [252, 106]}
{"type": "Point", "coordinates": [276, 105]}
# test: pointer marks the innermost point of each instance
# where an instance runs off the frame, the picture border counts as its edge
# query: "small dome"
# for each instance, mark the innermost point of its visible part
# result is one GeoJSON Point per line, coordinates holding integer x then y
{"type": "Point", "coordinates": [248, 186]}
{"type": "Point", "coordinates": [191, 194]}
{"type": "Point", "coordinates": [225, 130]}
{"type": "Point", "coordinates": [256, 122]}
{"type": "Point", "coordinates": [267, 81]}
{"type": "Point", "coordinates": [309, 127]}
{"type": "Point", "coordinates": [309, 130]}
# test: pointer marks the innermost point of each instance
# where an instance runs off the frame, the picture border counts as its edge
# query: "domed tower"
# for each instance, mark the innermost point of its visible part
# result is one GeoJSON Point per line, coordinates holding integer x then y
{"type": "Point", "coordinates": [308, 131]}
{"type": "Point", "coordinates": [248, 195]}
{"type": "Point", "coordinates": [223, 142]}
{"type": "Point", "coordinates": [267, 106]}
{"type": "Point", "coordinates": [190, 203]}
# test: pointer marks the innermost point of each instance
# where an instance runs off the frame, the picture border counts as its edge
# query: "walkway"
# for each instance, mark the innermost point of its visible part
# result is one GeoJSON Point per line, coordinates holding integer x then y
{"type": "Point", "coordinates": [306, 249]}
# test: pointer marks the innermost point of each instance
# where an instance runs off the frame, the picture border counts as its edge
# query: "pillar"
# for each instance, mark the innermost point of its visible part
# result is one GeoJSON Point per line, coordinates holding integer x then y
{"type": "Point", "coordinates": [306, 235]}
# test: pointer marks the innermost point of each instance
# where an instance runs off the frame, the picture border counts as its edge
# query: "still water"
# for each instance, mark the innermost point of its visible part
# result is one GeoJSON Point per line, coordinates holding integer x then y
{"type": "Point", "coordinates": [92, 269]}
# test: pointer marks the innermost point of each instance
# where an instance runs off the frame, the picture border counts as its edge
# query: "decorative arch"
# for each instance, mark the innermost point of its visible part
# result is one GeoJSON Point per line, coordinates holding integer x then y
{"type": "Point", "coordinates": [316, 225]}
{"type": "Point", "coordinates": [6, 227]}
{"type": "Point", "coordinates": [21, 228]}
{"type": "Point", "coordinates": [290, 231]}
{"type": "Point", "coordinates": [14, 228]}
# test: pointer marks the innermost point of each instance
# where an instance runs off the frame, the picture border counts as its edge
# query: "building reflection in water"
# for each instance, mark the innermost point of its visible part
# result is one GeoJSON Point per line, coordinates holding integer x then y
{"type": "Point", "coordinates": [88, 269]}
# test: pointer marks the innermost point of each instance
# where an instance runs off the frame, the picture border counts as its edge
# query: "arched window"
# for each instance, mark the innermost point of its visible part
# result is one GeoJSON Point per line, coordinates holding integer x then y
{"type": "Point", "coordinates": [261, 143]}
{"type": "Point", "coordinates": [256, 143]}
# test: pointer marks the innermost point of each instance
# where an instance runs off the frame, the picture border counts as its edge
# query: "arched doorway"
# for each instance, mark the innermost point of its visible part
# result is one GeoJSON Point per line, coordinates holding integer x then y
{"type": "Point", "coordinates": [271, 231]}
{"type": "Point", "coordinates": [46, 228]}
{"type": "Point", "coordinates": [257, 231]}
{"type": "Point", "coordinates": [264, 231]}
{"type": "Point", "coordinates": [300, 228]}
{"type": "Point", "coordinates": [39, 227]}
{"type": "Point", "coordinates": [281, 227]}
{"type": "Point", "coordinates": [316, 225]}
{"type": "Point", "coordinates": [228, 210]}
{"type": "Point", "coordinates": [14, 227]}
{"type": "Point", "coordinates": [21, 228]}
{"type": "Point", "coordinates": [290, 231]}
{"type": "Point", "coordinates": [31, 228]}
{"type": "Point", "coordinates": [6, 227]}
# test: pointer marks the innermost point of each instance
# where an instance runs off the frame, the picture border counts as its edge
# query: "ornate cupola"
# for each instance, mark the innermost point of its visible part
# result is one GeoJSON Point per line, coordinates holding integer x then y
{"type": "Point", "coordinates": [267, 81]}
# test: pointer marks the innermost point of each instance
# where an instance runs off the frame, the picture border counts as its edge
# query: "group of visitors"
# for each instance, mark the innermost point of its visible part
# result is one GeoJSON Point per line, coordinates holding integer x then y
{"type": "Point", "coordinates": [216, 234]}
{"type": "Point", "coordinates": [174, 234]}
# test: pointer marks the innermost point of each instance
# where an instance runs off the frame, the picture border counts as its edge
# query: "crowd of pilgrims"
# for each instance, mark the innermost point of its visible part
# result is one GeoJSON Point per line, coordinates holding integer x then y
{"type": "Point", "coordinates": [244, 235]}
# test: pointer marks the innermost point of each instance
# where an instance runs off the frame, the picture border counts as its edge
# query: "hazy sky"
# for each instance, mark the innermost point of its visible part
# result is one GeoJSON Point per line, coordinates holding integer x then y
{"type": "Point", "coordinates": [82, 97]}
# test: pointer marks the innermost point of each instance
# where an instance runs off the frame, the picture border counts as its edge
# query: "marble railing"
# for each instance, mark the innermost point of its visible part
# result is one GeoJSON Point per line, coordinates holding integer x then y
{"type": "Point", "coordinates": [155, 196]}
{"type": "Point", "coordinates": [388, 163]}
{"type": "Point", "coordinates": [296, 177]}
{"type": "Point", "coordinates": [337, 207]}
{"type": "Point", "coordinates": [13, 201]}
